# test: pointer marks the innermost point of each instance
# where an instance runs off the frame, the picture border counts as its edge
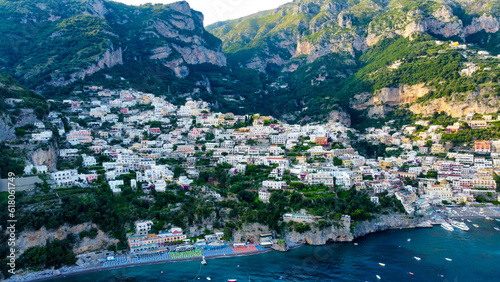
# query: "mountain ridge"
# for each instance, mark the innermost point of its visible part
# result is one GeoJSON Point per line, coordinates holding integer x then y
{"type": "Point", "coordinates": [308, 59]}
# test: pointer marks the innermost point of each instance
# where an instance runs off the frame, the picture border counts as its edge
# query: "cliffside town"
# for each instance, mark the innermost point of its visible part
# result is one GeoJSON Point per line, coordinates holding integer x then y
{"type": "Point", "coordinates": [319, 182]}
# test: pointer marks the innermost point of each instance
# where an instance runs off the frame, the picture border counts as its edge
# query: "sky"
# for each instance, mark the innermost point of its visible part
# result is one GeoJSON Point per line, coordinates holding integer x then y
{"type": "Point", "coordinates": [220, 10]}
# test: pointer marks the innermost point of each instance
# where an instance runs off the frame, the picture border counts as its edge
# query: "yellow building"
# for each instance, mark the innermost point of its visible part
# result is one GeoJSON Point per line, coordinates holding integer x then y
{"type": "Point", "coordinates": [437, 148]}
{"type": "Point", "coordinates": [385, 164]}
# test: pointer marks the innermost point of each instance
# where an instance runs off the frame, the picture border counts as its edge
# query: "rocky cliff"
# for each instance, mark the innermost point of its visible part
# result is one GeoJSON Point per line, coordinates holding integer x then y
{"type": "Point", "coordinates": [317, 28]}
{"type": "Point", "coordinates": [250, 232]}
{"type": "Point", "coordinates": [391, 96]}
{"type": "Point", "coordinates": [68, 41]}
{"type": "Point", "coordinates": [482, 101]}
{"type": "Point", "coordinates": [334, 233]}
{"type": "Point", "coordinates": [383, 100]}
{"type": "Point", "coordinates": [46, 157]}
{"type": "Point", "coordinates": [109, 59]}
{"type": "Point", "coordinates": [385, 222]}
{"type": "Point", "coordinates": [8, 123]}
{"type": "Point", "coordinates": [28, 239]}
{"type": "Point", "coordinates": [346, 233]}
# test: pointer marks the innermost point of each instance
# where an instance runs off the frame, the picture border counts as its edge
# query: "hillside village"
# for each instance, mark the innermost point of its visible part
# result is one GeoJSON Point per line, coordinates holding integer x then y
{"type": "Point", "coordinates": [123, 131]}
{"type": "Point", "coordinates": [234, 169]}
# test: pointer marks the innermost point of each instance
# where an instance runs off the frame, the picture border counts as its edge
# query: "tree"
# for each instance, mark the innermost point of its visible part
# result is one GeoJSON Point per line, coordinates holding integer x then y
{"type": "Point", "coordinates": [209, 136]}
{"type": "Point", "coordinates": [20, 132]}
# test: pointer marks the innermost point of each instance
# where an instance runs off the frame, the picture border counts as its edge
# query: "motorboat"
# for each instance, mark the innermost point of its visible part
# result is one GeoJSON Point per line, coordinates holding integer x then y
{"type": "Point", "coordinates": [378, 277]}
{"type": "Point", "coordinates": [409, 239]}
{"type": "Point", "coordinates": [417, 258]}
{"type": "Point", "coordinates": [475, 225]}
{"type": "Point", "coordinates": [203, 261]}
{"type": "Point", "coordinates": [448, 259]}
{"type": "Point", "coordinates": [496, 228]}
{"type": "Point", "coordinates": [459, 225]}
{"type": "Point", "coordinates": [381, 264]}
{"type": "Point", "coordinates": [447, 226]}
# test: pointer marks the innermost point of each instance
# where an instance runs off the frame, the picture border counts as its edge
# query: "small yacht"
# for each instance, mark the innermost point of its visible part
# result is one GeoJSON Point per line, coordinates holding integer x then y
{"type": "Point", "coordinates": [378, 277]}
{"type": "Point", "coordinates": [447, 226]}
{"type": "Point", "coordinates": [448, 259]}
{"type": "Point", "coordinates": [203, 261]}
{"type": "Point", "coordinates": [409, 239]}
{"type": "Point", "coordinates": [381, 264]}
{"type": "Point", "coordinates": [496, 228]}
{"type": "Point", "coordinates": [417, 258]}
{"type": "Point", "coordinates": [459, 225]}
{"type": "Point", "coordinates": [355, 244]}
{"type": "Point", "coordinates": [475, 225]}
{"type": "Point", "coordinates": [497, 219]}
{"type": "Point", "coordinates": [489, 218]}
{"type": "Point", "coordinates": [468, 220]}
{"type": "Point", "coordinates": [411, 273]}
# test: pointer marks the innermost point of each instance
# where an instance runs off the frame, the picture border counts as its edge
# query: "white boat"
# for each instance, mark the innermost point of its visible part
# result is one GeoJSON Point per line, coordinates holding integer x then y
{"type": "Point", "coordinates": [496, 228]}
{"type": "Point", "coordinates": [378, 277]}
{"type": "Point", "coordinates": [489, 218]}
{"type": "Point", "coordinates": [459, 225]}
{"type": "Point", "coordinates": [447, 226]}
{"type": "Point", "coordinates": [203, 261]}
{"type": "Point", "coordinates": [497, 219]}
{"type": "Point", "coordinates": [231, 280]}
{"type": "Point", "coordinates": [468, 220]}
{"type": "Point", "coordinates": [409, 239]}
{"type": "Point", "coordinates": [208, 278]}
{"type": "Point", "coordinates": [417, 258]}
{"type": "Point", "coordinates": [355, 244]}
{"type": "Point", "coordinates": [381, 264]}
{"type": "Point", "coordinates": [475, 225]}
{"type": "Point", "coordinates": [448, 259]}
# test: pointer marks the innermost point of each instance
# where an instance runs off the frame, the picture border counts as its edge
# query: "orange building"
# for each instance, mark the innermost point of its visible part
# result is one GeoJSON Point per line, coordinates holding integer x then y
{"type": "Point", "coordinates": [482, 146]}
{"type": "Point", "coordinates": [322, 141]}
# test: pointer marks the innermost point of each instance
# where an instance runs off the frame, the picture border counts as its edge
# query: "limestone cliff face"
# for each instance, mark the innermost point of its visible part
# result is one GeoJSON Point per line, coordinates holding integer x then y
{"type": "Point", "coordinates": [333, 233]}
{"type": "Point", "coordinates": [340, 116]}
{"type": "Point", "coordinates": [45, 157]}
{"type": "Point", "coordinates": [383, 101]}
{"type": "Point", "coordinates": [384, 222]}
{"type": "Point", "coordinates": [482, 101]}
{"type": "Point", "coordinates": [109, 59]}
{"type": "Point", "coordinates": [28, 239]}
{"type": "Point", "coordinates": [487, 23]}
{"type": "Point", "coordinates": [391, 96]}
{"type": "Point", "coordinates": [8, 123]}
{"type": "Point", "coordinates": [316, 28]}
{"type": "Point", "coordinates": [343, 233]}
{"type": "Point", "coordinates": [185, 41]}
{"type": "Point", "coordinates": [6, 129]}
{"type": "Point", "coordinates": [87, 37]}
{"type": "Point", "coordinates": [250, 232]}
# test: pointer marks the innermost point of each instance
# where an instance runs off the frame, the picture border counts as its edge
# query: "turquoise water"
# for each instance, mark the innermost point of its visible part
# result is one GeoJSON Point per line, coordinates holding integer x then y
{"type": "Point", "coordinates": [475, 257]}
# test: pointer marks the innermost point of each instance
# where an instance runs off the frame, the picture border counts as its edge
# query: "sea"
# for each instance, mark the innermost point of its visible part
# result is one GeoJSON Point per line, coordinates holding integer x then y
{"type": "Point", "coordinates": [475, 256]}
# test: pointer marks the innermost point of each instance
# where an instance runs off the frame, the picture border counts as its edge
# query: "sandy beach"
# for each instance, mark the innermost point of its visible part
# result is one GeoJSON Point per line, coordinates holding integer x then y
{"type": "Point", "coordinates": [76, 270]}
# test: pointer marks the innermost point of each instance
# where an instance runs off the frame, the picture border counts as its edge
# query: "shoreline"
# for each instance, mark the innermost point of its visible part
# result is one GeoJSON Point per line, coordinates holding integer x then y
{"type": "Point", "coordinates": [98, 269]}
{"type": "Point", "coordinates": [294, 245]}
